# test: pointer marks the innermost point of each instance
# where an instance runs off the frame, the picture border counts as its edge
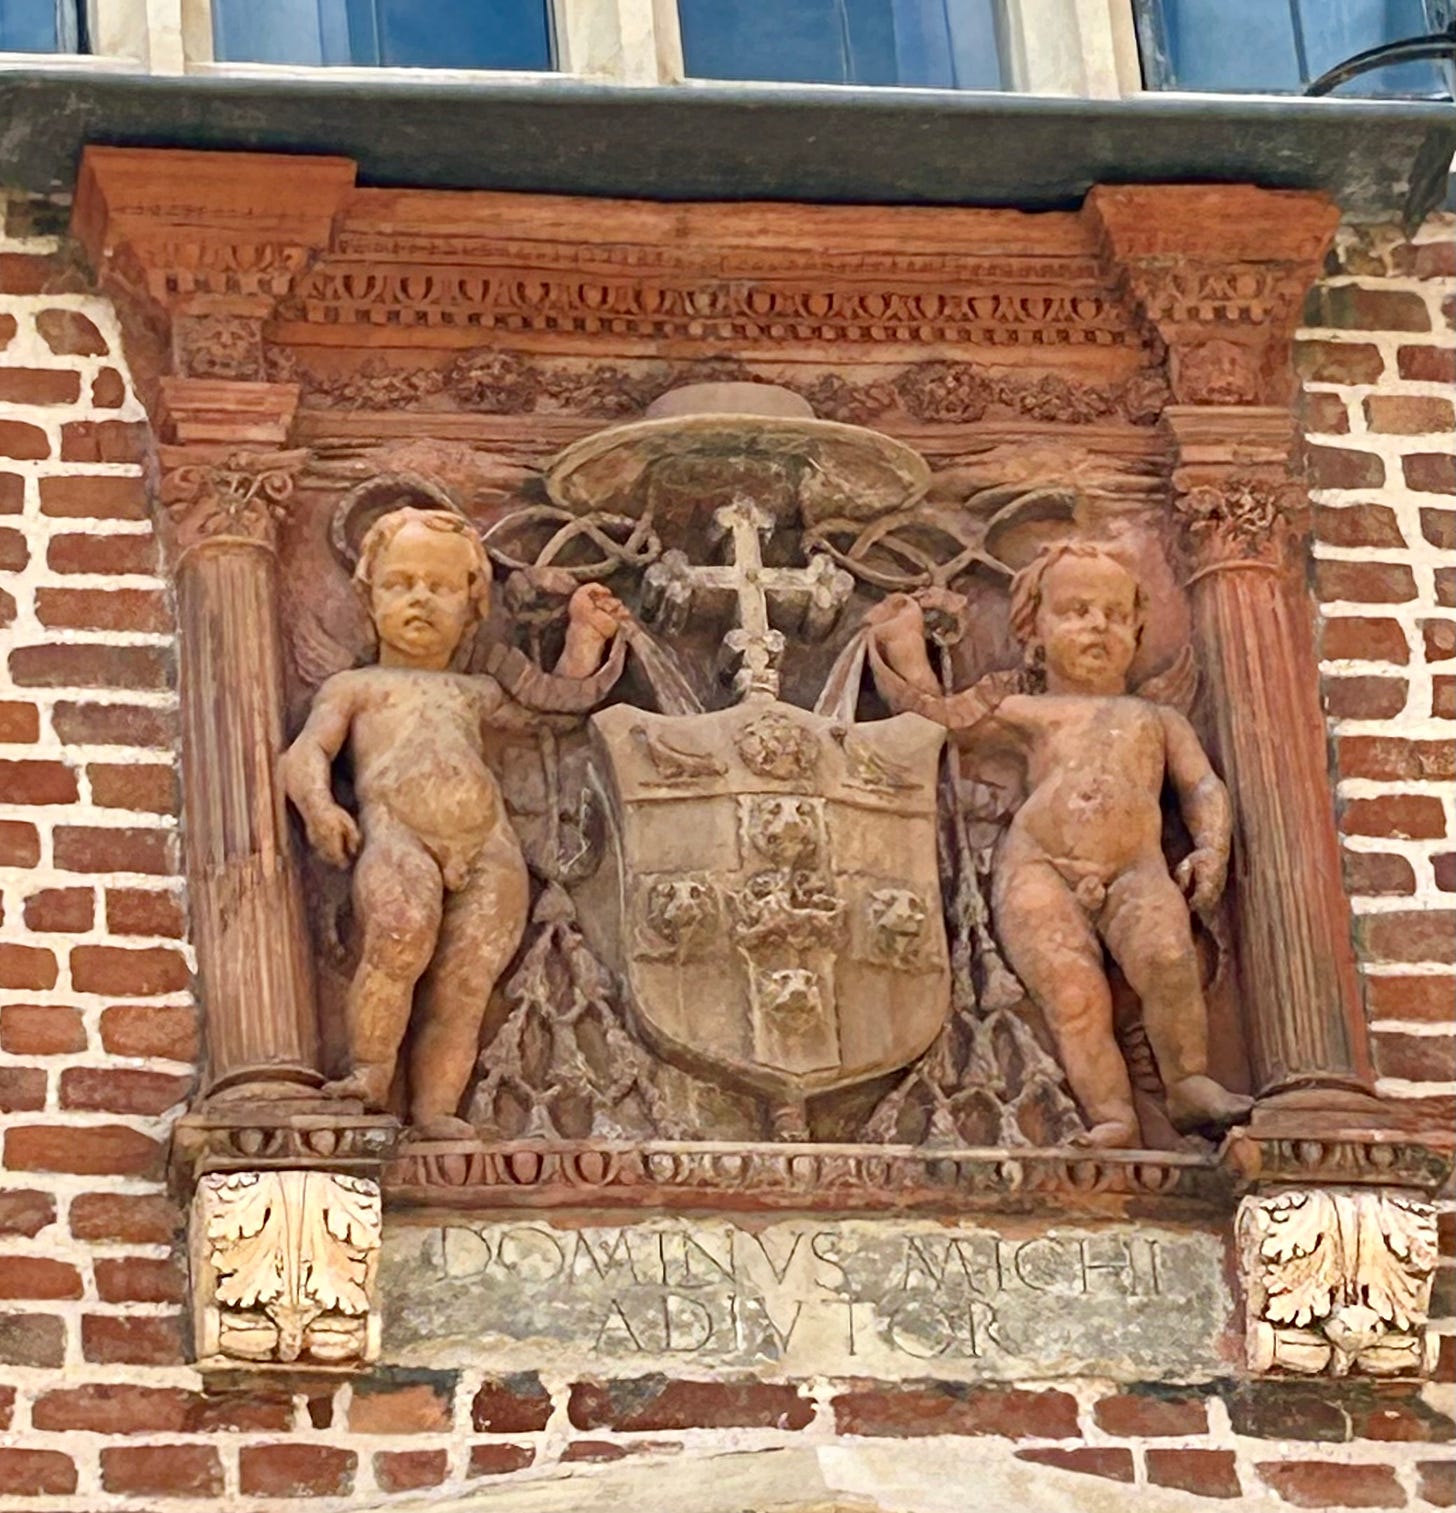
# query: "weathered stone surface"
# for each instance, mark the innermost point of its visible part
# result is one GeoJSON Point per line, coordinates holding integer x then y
{"type": "Point", "coordinates": [803, 1297]}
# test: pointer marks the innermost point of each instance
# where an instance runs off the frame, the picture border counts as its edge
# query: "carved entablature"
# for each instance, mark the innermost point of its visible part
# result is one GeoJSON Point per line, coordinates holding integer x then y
{"type": "Point", "coordinates": [696, 654]}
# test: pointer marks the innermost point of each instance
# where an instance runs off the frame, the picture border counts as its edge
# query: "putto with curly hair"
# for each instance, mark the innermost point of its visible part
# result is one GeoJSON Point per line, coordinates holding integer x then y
{"type": "Point", "coordinates": [1081, 864]}
{"type": "Point", "coordinates": [440, 887]}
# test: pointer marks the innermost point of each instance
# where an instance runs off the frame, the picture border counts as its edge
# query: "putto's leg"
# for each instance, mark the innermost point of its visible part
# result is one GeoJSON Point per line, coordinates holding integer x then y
{"type": "Point", "coordinates": [481, 929]}
{"type": "Point", "coordinates": [397, 895]}
{"type": "Point", "coordinates": [1147, 929]}
{"type": "Point", "coordinates": [1054, 951]}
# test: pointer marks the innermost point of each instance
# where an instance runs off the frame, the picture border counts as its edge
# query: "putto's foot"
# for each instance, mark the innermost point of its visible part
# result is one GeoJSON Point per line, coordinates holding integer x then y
{"type": "Point", "coordinates": [1196, 1103]}
{"type": "Point", "coordinates": [1111, 1135]}
{"type": "Point", "coordinates": [440, 1127]}
{"type": "Point", "coordinates": [367, 1082]}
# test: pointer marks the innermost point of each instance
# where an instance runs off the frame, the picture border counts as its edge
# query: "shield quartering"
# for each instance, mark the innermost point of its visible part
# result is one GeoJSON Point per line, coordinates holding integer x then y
{"type": "Point", "coordinates": [779, 891]}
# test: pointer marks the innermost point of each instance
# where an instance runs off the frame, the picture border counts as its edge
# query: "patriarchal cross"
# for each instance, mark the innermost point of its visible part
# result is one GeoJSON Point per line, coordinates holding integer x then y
{"type": "Point", "coordinates": [809, 597]}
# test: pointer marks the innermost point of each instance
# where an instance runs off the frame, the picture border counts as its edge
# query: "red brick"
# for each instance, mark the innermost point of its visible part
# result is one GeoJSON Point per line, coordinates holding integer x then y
{"type": "Point", "coordinates": [139, 1279]}
{"type": "Point", "coordinates": [1426, 260]}
{"type": "Point", "coordinates": [1399, 1414]}
{"type": "Point", "coordinates": [1341, 362]}
{"type": "Point", "coordinates": [1446, 587]}
{"type": "Point", "coordinates": [384, 1407]}
{"type": "Point", "coordinates": [122, 1090]}
{"type": "Point", "coordinates": [128, 971]}
{"type": "Point", "coordinates": [27, 967]}
{"type": "Point", "coordinates": [125, 1218]}
{"type": "Point", "coordinates": [596, 1450]}
{"type": "Point", "coordinates": [132, 1342]}
{"type": "Point", "coordinates": [1343, 468]}
{"type": "Point", "coordinates": [102, 554]}
{"type": "Point", "coordinates": [103, 441]}
{"type": "Point", "coordinates": [35, 782]}
{"type": "Point", "coordinates": [22, 1089]}
{"type": "Point", "coordinates": [949, 1408]}
{"type": "Point", "coordinates": [1405, 816]}
{"type": "Point", "coordinates": [1443, 697]}
{"type": "Point", "coordinates": [1350, 306]}
{"type": "Point", "coordinates": [514, 1404]}
{"type": "Point", "coordinates": [296, 1470]}
{"type": "Point", "coordinates": [38, 1277]}
{"type": "Point", "coordinates": [1114, 1464]}
{"type": "Point", "coordinates": [68, 333]}
{"type": "Point", "coordinates": [1286, 1410]}
{"type": "Point", "coordinates": [69, 909]}
{"type": "Point", "coordinates": [1364, 698]}
{"type": "Point", "coordinates": [1437, 1482]}
{"type": "Point", "coordinates": [1364, 582]}
{"type": "Point", "coordinates": [1444, 867]}
{"type": "Point", "coordinates": [25, 1212]}
{"type": "Point", "coordinates": [19, 844]}
{"type": "Point", "coordinates": [108, 390]}
{"type": "Point", "coordinates": [150, 1030]}
{"type": "Point", "coordinates": [1415, 1058]}
{"type": "Point", "coordinates": [1357, 525]}
{"type": "Point", "coordinates": [8, 608]}
{"type": "Point", "coordinates": [1208, 1473]}
{"type": "Point", "coordinates": [91, 666]}
{"type": "Point", "coordinates": [1409, 414]}
{"type": "Point", "coordinates": [36, 1473]}
{"type": "Point", "coordinates": [498, 1460]}
{"type": "Point", "coordinates": [408, 1470]}
{"type": "Point", "coordinates": [102, 609]}
{"type": "Point", "coordinates": [25, 272]}
{"type": "Point", "coordinates": [1323, 1484]}
{"type": "Point", "coordinates": [1391, 759]}
{"type": "Point", "coordinates": [14, 553]}
{"type": "Point", "coordinates": [7, 1406]}
{"type": "Point", "coordinates": [7, 330]}
{"type": "Point", "coordinates": [115, 725]}
{"type": "Point", "coordinates": [1407, 935]}
{"type": "Point", "coordinates": [19, 722]}
{"type": "Point", "coordinates": [1438, 639]}
{"type": "Point", "coordinates": [95, 848]}
{"type": "Point", "coordinates": [1427, 364]}
{"type": "Point", "coordinates": [97, 1150]}
{"type": "Point", "coordinates": [162, 1470]}
{"type": "Point", "coordinates": [104, 498]}
{"type": "Point", "coordinates": [1374, 874]}
{"type": "Point", "coordinates": [20, 439]}
{"type": "Point", "coordinates": [39, 386]}
{"type": "Point", "coordinates": [41, 1029]}
{"type": "Point", "coordinates": [116, 1408]}
{"type": "Point", "coordinates": [32, 1339]}
{"type": "Point", "coordinates": [144, 911]}
{"type": "Point", "coordinates": [655, 1402]}
{"type": "Point", "coordinates": [148, 787]}
{"type": "Point", "coordinates": [1430, 472]}
{"type": "Point", "coordinates": [1325, 414]}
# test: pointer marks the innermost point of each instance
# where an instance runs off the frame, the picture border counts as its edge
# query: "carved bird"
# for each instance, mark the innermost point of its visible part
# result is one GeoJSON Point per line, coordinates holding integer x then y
{"type": "Point", "coordinates": [675, 764]}
{"type": "Point", "coordinates": [867, 767]}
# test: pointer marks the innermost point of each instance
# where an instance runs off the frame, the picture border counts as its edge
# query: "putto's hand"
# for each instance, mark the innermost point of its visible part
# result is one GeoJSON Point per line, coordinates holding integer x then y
{"type": "Point", "coordinates": [1201, 875]}
{"type": "Point", "coordinates": [597, 608]}
{"type": "Point", "coordinates": [894, 608]}
{"type": "Point", "coordinates": [334, 835]}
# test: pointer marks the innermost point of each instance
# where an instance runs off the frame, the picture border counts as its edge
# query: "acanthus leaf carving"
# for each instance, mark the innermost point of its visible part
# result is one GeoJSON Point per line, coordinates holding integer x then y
{"type": "Point", "coordinates": [1242, 517]}
{"type": "Point", "coordinates": [284, 1267]}
{"type": "Point", "coordinates": [1338, 1281]}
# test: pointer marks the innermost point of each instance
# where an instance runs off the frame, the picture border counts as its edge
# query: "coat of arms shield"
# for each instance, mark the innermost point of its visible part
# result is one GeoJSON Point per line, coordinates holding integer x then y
{"type": "Point", "coordinates": [780, 893]}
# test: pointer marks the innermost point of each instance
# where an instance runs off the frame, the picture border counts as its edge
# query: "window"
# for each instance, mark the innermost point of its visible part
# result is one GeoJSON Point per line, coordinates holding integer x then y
{"type": "Point", "coordinates": [1280, 46]}
{"type": "Point", "coordinates": [940, 44]}
{"type": "Point", "coordinates": [40, 26]}
{"type": "Point", "coordinates": [505, 34]}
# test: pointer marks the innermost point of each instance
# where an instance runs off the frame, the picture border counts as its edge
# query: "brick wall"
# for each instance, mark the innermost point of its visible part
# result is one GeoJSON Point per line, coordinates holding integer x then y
{"type": "Point", "coordinates": [98, 1030]}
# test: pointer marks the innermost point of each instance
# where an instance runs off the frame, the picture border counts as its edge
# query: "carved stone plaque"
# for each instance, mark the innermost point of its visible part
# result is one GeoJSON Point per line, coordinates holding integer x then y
{"type": "Point", "coordinates": [884, 1298]}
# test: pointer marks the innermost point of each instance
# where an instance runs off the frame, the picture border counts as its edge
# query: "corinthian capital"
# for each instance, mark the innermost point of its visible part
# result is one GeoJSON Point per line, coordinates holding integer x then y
{"type": "Point", "coordinates": [237, 495]}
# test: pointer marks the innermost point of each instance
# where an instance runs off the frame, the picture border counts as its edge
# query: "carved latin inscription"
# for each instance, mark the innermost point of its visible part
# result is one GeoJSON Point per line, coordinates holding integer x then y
{"type": "Point", "coordinates": [1338, 1281]}
{"type": "Point", "coordinates": [283, 1266]}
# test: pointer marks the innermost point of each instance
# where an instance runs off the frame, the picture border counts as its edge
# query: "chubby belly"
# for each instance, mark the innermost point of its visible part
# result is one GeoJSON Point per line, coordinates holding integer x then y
{"type": "Point", "coordinates": [1102, 817]}
{"type": "Point", "coordinates": [447, 797]}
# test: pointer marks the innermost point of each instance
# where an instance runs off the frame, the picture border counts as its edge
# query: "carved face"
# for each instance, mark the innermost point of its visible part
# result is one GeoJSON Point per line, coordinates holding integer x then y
{"type": "Point", "coordinates": [420, 596]}
{"type": "Point", "coordinates": [1087, 625]}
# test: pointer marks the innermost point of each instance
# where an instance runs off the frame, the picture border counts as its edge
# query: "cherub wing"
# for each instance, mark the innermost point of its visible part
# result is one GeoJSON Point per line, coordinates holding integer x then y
{"type": "Point", "coordinates": [316, 651]}
{"type": "Point", "coordinates": [1176, 685]}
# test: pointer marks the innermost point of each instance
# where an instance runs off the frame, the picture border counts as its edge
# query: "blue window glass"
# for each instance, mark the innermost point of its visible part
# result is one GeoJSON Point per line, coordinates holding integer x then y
{"type": "Point", "coordinates": [509, 34]}
{"type": "Point", "coordinates": [1279, 46]}
{"type": "Point", "coordinates": [39, 26]}
{"type": "Point", "coordinates": [936, 44]}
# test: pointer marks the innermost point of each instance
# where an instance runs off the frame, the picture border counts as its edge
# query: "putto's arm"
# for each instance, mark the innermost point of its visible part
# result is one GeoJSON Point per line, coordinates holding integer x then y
{"type": "Point", "coordinates": [304, 769]}
{"type": "Point", "coordinates": [1207, 811]}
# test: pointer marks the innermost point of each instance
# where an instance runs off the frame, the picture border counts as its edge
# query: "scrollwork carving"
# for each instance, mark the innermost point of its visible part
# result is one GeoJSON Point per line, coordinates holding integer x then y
{"type": "Point", "coordinates": [243, 495]}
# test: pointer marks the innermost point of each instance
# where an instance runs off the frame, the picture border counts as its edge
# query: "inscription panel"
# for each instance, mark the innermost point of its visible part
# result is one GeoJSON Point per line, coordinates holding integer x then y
{"type": "Point", "coordinates": [809, 1297]}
